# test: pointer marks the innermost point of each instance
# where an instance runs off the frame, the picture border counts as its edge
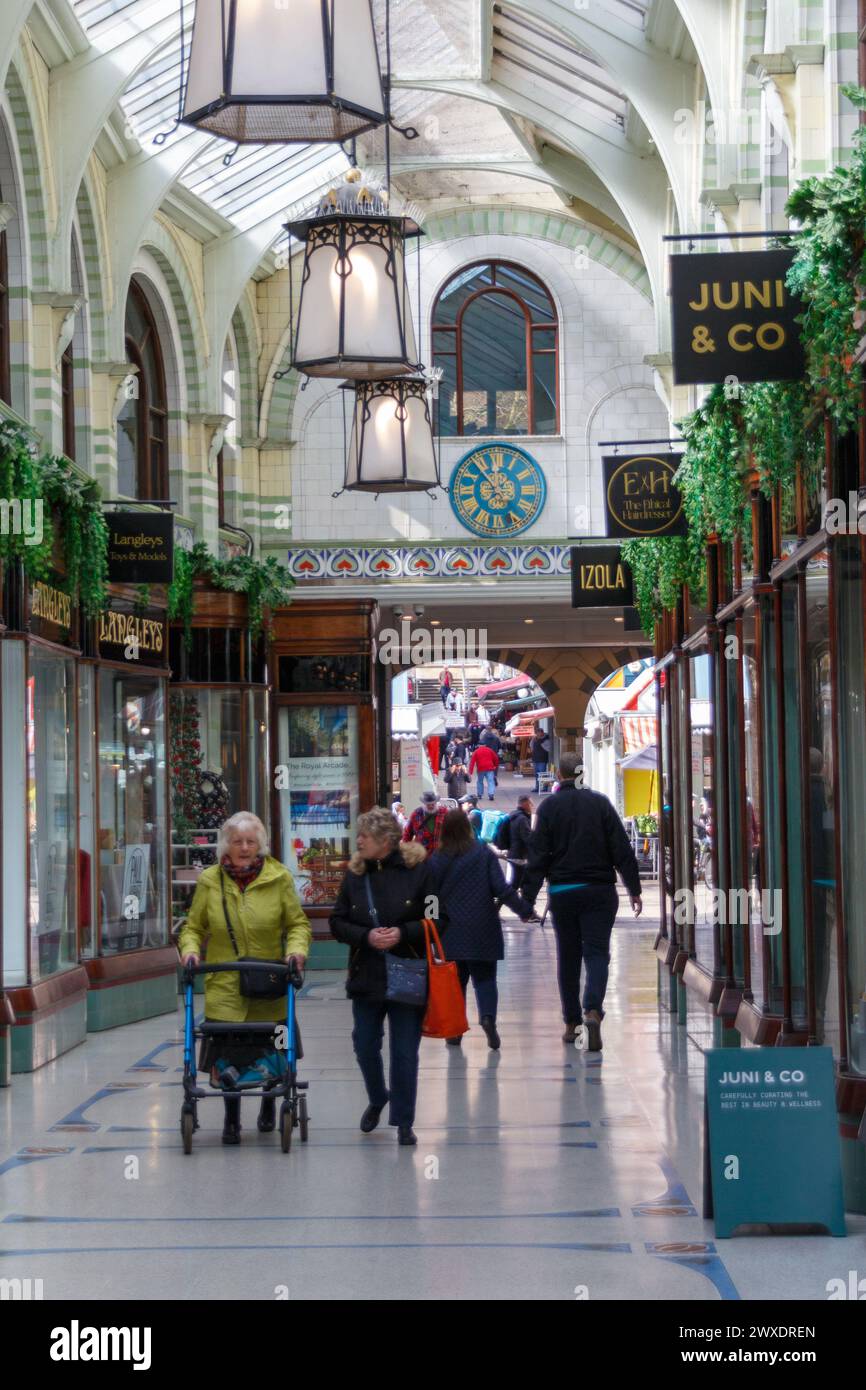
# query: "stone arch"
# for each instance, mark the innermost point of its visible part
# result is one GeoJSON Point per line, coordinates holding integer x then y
{"type": "Point", "coordinates": [94, 268]}
{"type": "Point", "coordinates": [246, 333]}
{"type": "Point", "coordinates": [601, 389]}
{"type": "Point", "coordinates": [569, 676]}
{"type": "Point", "coordinates": [33, 168]}
{"type": "Point", "coordinates": [18, 252]}
{"type": "Point", "coordinates": [189, 312]}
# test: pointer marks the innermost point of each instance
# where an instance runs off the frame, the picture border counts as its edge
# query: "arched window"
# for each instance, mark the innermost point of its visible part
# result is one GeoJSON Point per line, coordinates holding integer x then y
{"type": "Point", "coordinates": [142, 426]}
{"type": "Point", "coordinates": [496, 339]}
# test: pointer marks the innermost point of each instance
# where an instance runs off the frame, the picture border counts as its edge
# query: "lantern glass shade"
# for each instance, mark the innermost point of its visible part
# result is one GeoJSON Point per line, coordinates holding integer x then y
{"type": "Point", "coordinates": [284, 71]}
{"type": "Point", "coordinates": [354, 317]}
{"type": "Point", "coordinates": [391, 448]}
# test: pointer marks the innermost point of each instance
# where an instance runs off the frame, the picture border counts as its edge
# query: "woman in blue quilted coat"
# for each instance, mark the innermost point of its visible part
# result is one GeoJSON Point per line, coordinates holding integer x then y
{"type": "Point", "coordinates": [470, 885]}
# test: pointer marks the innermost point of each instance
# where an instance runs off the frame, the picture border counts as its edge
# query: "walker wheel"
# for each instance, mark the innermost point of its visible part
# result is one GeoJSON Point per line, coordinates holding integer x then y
{"type": "Point", "coordinates": [187, 1124]}
{"type": "Point", "coordinates": [303, 1119]}
{"type": "Point", "coordinates": [286, 1122]}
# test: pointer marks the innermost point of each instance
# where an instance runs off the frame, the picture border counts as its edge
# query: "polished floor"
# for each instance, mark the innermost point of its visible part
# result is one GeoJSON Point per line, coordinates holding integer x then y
{"type": "Point", "coordinates": [541, 1172]}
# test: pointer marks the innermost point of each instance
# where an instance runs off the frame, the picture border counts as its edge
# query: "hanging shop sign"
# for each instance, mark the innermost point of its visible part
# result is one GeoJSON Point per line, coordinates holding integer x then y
{"type": "Point", "coordinates": [771, 1142]}
{"type": "Point", "coordinates": [640, 496]}
{"type": "Point", "coordinates": [51, 612]}
{"type": "Point", "coordinates": [600, 578]}
{"type": "Point", "coordinates": [734, 319]}
{"type": "Point", "coordinates": [140, 547]}
{"type": "Point", "coordinates": [132, 637]}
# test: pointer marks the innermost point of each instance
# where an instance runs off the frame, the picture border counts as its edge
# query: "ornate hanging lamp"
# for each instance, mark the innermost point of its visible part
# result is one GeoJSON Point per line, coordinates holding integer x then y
{"type": "Point", "coordinates": [354, 315]}
{"type": "Point", "coordinates": [297, 71]}
{"type": "Point", "coordinates": [391, 447]}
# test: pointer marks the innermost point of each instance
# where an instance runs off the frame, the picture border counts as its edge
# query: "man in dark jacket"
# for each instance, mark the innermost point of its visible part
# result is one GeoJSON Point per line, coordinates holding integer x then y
{"type": "Point", "coordinates": [519, 831]}
{"type": "Point", "coordinates": [578, 844]}
{"type": "Point", "coordinates": [491, 739]}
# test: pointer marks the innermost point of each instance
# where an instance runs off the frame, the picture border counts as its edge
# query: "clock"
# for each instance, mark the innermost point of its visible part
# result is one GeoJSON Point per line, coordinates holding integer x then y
{"type": "Point", "coordinates": [497, 490]}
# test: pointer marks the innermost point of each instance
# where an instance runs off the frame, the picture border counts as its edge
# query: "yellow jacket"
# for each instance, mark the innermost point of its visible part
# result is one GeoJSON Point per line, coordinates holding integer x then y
{"type": "Point", "coordinates": [268, 922]}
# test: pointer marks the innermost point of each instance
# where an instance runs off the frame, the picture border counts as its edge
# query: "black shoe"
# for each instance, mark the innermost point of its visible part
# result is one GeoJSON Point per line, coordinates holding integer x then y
{"type": "Point", "coordinates": [570, 1034]}
{"type": "Point", "coordinates": [267, 1120]}
{"type": "Point", "coordinates": [231, 1132]}
{"type": "Point", "coordinates": [370, 1118]}
{"type": "Point", "coordinates": [406, 1135]}
{"type": "Point", "coordinates": [488, 1023]}
{"type": "Point", "coordinates": [454, 1042]}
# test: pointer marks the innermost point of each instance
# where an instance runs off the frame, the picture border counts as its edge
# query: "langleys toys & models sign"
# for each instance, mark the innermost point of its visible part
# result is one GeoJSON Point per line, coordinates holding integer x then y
{"type": "Point", "coordinates": [734, 318]}
{"type": "Point", "coordinates": [140, 548]}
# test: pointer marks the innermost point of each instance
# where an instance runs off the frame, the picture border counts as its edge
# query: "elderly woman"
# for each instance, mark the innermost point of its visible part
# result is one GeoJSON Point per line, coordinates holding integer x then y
{"type": "Point", "coordinates": [380, 907]}
{"type": "Point", "coordinates": [253, 894]}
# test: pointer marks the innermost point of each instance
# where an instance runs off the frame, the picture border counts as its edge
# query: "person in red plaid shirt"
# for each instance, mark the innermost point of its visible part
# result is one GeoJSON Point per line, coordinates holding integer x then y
{"type": "Point", "coordinates": [425, 824]}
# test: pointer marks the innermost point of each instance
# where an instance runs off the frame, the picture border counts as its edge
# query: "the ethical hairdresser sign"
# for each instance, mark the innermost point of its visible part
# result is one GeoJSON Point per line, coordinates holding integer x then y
{"type": "Point", "coordinates": [772, 1146]}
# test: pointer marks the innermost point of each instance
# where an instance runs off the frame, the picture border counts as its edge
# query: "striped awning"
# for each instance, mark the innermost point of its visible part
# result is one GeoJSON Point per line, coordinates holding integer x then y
{"type": "Point", "coordinates": [638, 731]}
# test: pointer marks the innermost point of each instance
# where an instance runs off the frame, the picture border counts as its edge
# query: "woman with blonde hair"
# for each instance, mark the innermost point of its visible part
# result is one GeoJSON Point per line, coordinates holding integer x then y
{"type": "Point", "coordinates": [379, 910]}
{"type": "Point", "coordinates": [245, 905]}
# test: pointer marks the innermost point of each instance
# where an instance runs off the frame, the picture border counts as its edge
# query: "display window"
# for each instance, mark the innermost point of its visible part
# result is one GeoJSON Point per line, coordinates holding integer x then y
{"type": "Point", "coordinates": [703, 809]}
{"type": "Point", "coordinates": [317, 780]}
{"type": "Point", "coordinates": [132, 811]}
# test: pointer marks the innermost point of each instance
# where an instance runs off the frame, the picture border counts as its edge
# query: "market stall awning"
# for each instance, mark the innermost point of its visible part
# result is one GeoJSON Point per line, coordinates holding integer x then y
{"type": "Point", "coordinates": [645, 760]}
{"type": "Point", "coordinates": [525, 727]}
{"type": "Point", "coordinates": [638, 731]}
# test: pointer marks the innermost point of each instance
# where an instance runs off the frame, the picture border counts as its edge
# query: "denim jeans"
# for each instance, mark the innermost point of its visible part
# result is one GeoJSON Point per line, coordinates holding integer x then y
{"type": "Point", "coordinates": [488, 778]}
{"type": "Point", "coordinates": [404, 1028]}
{"type": "Point", "coordinates": [583, 921]}
{"type": "Point", "coordinates": [539, 769]}
{"type": "Point", "coordinates": [483, 976]}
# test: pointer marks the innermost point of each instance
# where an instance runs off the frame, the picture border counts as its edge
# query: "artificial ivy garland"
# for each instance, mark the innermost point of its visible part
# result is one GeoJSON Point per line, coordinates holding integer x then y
{"type": "Point", "coordinates": [266, 583]}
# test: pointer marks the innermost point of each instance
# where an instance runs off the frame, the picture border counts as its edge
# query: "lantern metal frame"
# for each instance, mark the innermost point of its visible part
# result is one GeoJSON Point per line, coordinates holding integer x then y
{"type": "Point", "coordinates": [401, 388]}
{"type": "Point", "coordinates": [368, 223]}
{"type": "Point", "coordinates": [364, 118]}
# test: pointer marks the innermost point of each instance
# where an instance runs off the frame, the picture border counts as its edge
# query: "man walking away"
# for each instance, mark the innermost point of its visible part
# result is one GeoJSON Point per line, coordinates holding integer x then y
{"type": "Point", "coordinates": [484, 762]}
{"type": "Point", "coordinates": [578, 844]}
{"type": "Point", "coordinates": [513, 838]}
{"type": "Point", "coordinates": [539, 752]}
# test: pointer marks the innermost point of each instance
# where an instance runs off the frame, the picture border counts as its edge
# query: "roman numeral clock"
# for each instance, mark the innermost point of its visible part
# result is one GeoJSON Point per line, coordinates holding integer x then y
{"type": "Point", "coordinates": [497, 490]}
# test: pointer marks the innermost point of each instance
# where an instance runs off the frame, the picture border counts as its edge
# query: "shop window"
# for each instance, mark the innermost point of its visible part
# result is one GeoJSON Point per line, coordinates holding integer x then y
{"type": "Point", "coordinates": [5, 370]}
{"type": "Point", "coordinates": [142, 426]}
{"type": "Point", "coordinates": [703, 806]}
{"type": "Point", "coordinates": [496, 340]}
{"type": "Point", "coordinates": [753, 826]}
{"type": "Point", "coordinates": [86, 811]}
{"type": "Point", "coordinates": [851, 668]}
{"type": "Point", "coordinates": [332, 674]}
{"type": "Point", "coordinates": [216, 654]}
{"type": "Point", "coordinates": [796, 801]}
{"type": "Point", "coordinates": [319, 794]}
{"type": "Point", "coordinates": [132, 812]}
{"type": "Point", "coordinates": [50, 744]}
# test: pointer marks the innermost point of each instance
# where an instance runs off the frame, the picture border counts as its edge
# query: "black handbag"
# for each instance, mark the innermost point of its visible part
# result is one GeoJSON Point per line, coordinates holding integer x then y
{"type": "Point", "coordinates": [255, 983]}
{"type": "Point", "coordinates": [405, 979]}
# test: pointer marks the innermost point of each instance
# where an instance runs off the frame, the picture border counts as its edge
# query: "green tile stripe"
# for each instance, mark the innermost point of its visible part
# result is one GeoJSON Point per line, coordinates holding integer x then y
{"type": "Point", "coordinates": [94, 264]}
{"type": "Point", "coordinates": [22, 101]}
{"type": "Point", "coordinates": [193, 334]}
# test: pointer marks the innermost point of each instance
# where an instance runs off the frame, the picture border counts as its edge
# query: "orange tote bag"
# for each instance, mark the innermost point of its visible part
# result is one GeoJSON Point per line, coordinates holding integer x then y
{"type": "Point", "coordinates": [446, 1007]}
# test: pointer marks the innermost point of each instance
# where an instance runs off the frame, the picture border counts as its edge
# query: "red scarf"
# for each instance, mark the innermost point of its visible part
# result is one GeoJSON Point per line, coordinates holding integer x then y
{"type": "Point", "coordinates": [243, 877]}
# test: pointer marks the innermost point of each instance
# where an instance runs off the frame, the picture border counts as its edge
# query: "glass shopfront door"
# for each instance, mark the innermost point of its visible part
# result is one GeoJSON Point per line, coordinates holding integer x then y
{"type": "Point", "coordinates": [317, 783]}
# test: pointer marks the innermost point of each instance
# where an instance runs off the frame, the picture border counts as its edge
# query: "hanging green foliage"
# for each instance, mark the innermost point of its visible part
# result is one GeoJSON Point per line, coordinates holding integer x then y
{"type": "Point", "coordinates": [266, 583]}
{"type": "Point", "coordinates": [661, 567]}
{"type": "Point", "coordinates": [830, 275]}
{"type": "Point", "coordinates": [711, 475]}
{"type": "Point", "coordinates": [50, 492]}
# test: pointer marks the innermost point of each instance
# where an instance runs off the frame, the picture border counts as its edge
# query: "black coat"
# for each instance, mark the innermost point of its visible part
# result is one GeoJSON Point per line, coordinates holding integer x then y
{"type": "Point", "coordinates": [521, 829]}
{"type": "Point", "coordinates": [468, 887]}
{"type": "Point", "coordinates": [400, 886]}
{"type": "Point", "coordinates": [579, 838]}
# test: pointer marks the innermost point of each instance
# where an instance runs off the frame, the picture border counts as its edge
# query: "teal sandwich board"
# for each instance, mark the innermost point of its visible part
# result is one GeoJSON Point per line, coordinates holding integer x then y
{"type": "Point", "coordinates": [772, 1139]}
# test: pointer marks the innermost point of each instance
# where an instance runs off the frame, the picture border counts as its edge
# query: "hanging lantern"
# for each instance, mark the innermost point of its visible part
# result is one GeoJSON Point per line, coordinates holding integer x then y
{"type": "Point", "coordinates": [391, 447]}
{"type": "Point", "coordinates": [354, 316]}
{"type": "Point", "coordinates": [298, 71]}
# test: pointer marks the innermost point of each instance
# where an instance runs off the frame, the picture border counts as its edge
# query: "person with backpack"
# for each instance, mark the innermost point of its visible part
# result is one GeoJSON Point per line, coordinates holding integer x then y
{"type": "Point", "coordinates": [578, 844]}
{"type": "Point", "coordinates": [483, 764]}
{"type": "Point", "coordinates": [512, 838]}
{"type": "Point", "coordinates": [472, 813]}
{"type": "Point", "coordinates": [467, 880]}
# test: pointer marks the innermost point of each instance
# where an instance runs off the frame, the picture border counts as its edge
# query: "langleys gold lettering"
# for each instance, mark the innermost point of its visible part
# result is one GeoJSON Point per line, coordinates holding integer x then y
{"type": "Point", "coordinates": [121, 629]}
{"type": "Point", "coordinates": [51, 605]}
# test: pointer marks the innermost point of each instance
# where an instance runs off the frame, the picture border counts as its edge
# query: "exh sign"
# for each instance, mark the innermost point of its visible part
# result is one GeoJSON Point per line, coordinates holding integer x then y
{"type": "Point", "coordinates": [734, 317]}
{"type": "Point", "coordinates": [140, 547]}
{"type": "Point", "coordinates": [600, 578]}
{"type": "Point", "coordinates": [640, 496]}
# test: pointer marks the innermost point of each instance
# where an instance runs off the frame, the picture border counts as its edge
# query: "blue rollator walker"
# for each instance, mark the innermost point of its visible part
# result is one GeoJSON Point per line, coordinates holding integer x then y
{"type": "Point", "coordinates": [293, 1110]}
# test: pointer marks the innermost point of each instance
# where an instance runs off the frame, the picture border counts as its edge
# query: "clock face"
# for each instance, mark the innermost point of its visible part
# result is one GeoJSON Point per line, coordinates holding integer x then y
{"type": "Point", "coordinates": [497, 491]}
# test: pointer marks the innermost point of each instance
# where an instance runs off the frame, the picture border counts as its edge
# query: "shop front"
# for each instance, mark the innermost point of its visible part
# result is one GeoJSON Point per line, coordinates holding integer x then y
{"type": "Point", "coordinates": [219, 744]}
{"type": "Point", "coordinates": [324, 749]}
{"type": "Point", "coordinates": [45, 985]}
{"type": "Point", "coordinates": [770, 934]}
{"type": "Point", "coordinates": [123, 814]}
